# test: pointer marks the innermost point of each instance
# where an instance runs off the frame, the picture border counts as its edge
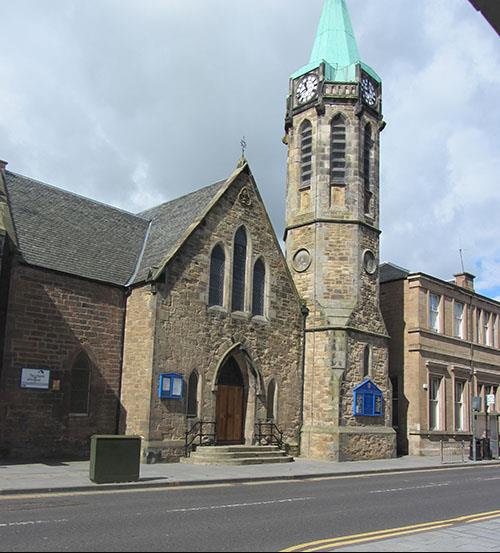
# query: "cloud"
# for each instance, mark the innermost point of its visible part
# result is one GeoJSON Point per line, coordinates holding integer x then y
{"type": "Point", "coordinates": [135, 103]}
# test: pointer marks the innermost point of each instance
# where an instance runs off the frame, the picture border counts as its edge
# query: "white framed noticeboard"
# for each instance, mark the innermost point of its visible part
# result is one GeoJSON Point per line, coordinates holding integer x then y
{"type": "Point", "coordinates": [35, 379]}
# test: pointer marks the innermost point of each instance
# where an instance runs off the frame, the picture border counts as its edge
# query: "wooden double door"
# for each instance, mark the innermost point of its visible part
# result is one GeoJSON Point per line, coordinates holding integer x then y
{"type": "Point", "coordinates": [230, 411]}
{"type": "Point", "coordinates": [230, 415]}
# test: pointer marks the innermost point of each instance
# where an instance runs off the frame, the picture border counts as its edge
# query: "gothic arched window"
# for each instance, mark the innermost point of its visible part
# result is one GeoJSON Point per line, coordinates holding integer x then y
{"type": "Point", "coordinates": [259, 288]}
{"type": "Point", "coordinates": [81, 374]}
{"type": "Point", "coordinates": [306, 140]}
{"type": "Point", "coordinates": [271, 400]}
{"type": "Point", "coordinates": [192, 395]}
{"type": "Point", "coordinates": [367, 166]}
{"type": "Point", "coordinates": [338, 150]}
{"type": "Point", "coordinates": [239, 270]}
{"type": "Point", "coordinates": [217, 275]}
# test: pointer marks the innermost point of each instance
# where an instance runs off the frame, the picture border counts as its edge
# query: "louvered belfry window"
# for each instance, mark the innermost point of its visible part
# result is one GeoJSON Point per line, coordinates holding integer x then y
{"type": "Point", "coordinates": [367, 166]}
{"type": "Point", "coordinates": [338, 150]}
{"type": "Point", "coordinates": [80, 386]}
{"type": "Point", "coordinates": [217, 274]}
{"type": "Point", "coordinates": [306, 140]}
{"type": "Point", "coordinates": [259, 288]}
{"type": "Point", "coordinates": [239, 270]}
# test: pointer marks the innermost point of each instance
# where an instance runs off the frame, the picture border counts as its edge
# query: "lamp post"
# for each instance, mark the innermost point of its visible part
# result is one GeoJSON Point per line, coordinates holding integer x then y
{"type": "Point", "coordinates": [476, 407]}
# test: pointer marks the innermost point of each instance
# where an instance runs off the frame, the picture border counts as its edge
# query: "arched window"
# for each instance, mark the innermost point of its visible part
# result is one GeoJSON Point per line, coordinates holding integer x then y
{"type": "Point", "coordinates": [239, 270]}
{"type": "Point", "coordinates": [217, 275]}
{"type": "Point", "coordinates": [367, 166]}
{"type": "Point", "coordinates": [80, 386]}
{"type": "Point", "coordinates": [306, 141]}
{"type": "Point", "coordinates": [272, 396]}
{"type": "Point", "coordinates": [259, 288]}
{"type": "Point", "coordinates": [338, 150]}
{"type": "Point", "coordinates": [367, 361]}
{"type": "Point", "coordinates": [192, 395]}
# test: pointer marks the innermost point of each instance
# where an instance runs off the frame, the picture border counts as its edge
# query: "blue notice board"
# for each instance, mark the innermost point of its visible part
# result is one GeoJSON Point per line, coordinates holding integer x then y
{"type": "Point", "coordinates": [171, 386]}
{"type": "Point", "coordinates": [368, 400]}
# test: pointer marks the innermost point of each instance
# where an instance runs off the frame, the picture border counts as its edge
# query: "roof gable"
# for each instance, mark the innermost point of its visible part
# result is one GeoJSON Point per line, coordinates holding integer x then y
{"type": "Point", "coordinates": [173, 222]}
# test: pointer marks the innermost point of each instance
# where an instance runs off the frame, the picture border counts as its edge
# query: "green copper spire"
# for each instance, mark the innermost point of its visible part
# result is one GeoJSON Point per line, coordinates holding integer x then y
{"type": "Point", "coordinates": [335, 45]}
{"type": "Point", "coordinates": [335, 40]}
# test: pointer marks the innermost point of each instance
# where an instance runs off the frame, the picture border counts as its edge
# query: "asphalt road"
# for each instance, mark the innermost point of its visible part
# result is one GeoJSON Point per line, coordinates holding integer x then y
{"type": "Point", "coordinates": [251, 517]}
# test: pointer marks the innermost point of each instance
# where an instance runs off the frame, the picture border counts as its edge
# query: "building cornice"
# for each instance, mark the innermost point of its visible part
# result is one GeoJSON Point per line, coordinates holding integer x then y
{"type": "Point", "coordinates": [348, 328]}
{"type": "Point", "coordinates": [332, 220]}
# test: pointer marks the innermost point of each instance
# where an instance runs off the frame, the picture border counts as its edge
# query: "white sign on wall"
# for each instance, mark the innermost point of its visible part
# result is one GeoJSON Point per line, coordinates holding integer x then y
{"type": "Point", "coordinates": [35, 379]}
{"type": "Point", "coordinates": [490, 399]}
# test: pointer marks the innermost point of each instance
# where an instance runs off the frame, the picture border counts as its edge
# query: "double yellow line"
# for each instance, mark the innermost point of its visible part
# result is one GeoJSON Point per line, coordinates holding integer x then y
{"type": "Point", "coordinates": [335, 543]}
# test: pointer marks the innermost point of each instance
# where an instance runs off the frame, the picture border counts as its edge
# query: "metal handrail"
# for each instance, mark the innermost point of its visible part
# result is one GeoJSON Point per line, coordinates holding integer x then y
{"type": "Point", "coordinates": [269, 431]}
{"type": "Point", "coordinates": [196, 432]}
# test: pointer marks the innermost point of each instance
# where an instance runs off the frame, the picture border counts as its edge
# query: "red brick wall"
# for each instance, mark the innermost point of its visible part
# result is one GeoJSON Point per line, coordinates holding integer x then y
{"type": "Point", "coordinates": [51, 318]}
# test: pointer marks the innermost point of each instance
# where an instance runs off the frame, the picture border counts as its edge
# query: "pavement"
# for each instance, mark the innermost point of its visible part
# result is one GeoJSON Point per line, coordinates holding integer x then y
{"type": "Point", "coordinates": [74, 476]}
{"type": "Point", "coordinates": [479, 536]}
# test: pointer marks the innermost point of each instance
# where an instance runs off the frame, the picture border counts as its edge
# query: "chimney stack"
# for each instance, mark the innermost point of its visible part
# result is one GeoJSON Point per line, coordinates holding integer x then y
{"type": "Point", "coordinates": [465, 280]}
{"type": "Point", "coordinates": [3, 165]}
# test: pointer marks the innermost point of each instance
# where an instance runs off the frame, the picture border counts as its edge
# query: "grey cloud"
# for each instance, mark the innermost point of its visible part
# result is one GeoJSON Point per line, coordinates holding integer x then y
{"type": "Point", "coordinates": [138, 102]}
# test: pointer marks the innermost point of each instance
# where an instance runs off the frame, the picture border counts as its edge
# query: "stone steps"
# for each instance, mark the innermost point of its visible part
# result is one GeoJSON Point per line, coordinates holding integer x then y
{"type": "Point", "coordinates": [237, 455]}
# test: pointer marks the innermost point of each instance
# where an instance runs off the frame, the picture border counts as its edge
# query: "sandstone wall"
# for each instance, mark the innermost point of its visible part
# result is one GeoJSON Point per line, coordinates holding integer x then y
{"type": "Point", "coordinates": [191, 336]}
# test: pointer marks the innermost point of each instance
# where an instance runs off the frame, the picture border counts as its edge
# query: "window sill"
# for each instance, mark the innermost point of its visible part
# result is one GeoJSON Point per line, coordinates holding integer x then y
{"type": "Point", "coordinates": [261, 320]}
{"type": "Point", "coordinates": [79, 415]}
{"type": "Point", "coordinates": [241, 315]}
{"type": "Point", "coordinates": [217, 310]}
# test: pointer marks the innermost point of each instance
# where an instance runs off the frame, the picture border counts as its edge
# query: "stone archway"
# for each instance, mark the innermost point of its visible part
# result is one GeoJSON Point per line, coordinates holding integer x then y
{"type": "Point", "coordinates": [236, 371]}
{"type": "Point", "coordinates": [230, 404]}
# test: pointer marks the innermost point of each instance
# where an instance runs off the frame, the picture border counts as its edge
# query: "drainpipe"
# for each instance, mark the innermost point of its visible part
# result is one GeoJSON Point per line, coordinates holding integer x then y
{"type": "Point", "coordinates": [305, 313]}
{"type": "Point", "coordinates": [473, 376]}
{"type": "Point", "coordinates": [126, 295]}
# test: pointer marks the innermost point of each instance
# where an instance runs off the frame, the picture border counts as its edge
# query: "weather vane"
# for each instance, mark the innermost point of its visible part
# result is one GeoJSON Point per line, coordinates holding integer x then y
{"type": "Point", "coordinates": [243, 146]}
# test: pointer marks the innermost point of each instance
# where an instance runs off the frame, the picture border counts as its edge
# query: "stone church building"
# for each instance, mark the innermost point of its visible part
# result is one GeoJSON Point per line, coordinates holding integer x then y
{"type": "Point", "coordinates": [189, 314]}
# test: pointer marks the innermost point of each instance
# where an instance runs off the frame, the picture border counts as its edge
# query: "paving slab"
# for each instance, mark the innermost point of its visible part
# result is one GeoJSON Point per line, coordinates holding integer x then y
{"type": "Point", "coordinates": [478, 536]}
{"type": "Point", "coordinates": [74, 476]}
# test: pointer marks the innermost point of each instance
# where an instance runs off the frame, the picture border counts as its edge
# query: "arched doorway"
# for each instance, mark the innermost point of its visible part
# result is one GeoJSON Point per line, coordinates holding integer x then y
{"type": "Point", "coordinates": [230, 411]}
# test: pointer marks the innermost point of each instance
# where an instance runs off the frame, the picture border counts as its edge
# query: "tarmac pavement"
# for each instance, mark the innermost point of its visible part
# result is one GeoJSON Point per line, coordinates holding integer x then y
{"type": "Point", "coordinates": [74, 476]}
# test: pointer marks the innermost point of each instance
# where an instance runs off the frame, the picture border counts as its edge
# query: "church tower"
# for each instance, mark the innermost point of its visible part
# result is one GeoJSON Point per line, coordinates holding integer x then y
{"type": "Point", "coordinates": [333, 124]}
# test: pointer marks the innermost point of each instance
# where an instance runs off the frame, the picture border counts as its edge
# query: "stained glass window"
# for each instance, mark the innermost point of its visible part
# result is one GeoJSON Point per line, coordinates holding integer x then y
{"type": "Point", "coordinates": [217, 274]}
{"type": "Point", "coordinates": [259, 288]}
{"type": "Point", "coordinates": [192, 400]}
{"type": "Point", "coordinates": [239, 270]}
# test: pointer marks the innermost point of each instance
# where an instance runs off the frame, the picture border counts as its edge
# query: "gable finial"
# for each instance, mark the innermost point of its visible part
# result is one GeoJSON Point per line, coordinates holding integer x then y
{"type": "Point", "coordinates": [243, 159]}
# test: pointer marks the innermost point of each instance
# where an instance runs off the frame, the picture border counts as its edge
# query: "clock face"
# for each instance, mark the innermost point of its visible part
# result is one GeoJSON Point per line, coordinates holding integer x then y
{"type": "Point", "coordinates": [369, 92]}
{"type": "Point", "coordinates": [308, 88]}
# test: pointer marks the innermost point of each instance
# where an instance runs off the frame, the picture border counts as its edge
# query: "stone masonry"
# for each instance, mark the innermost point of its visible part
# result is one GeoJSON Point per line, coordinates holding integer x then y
{"type": "Point", "coordinates": [171, 328]}
{"type": "Point", "coordinates": [328, 220]}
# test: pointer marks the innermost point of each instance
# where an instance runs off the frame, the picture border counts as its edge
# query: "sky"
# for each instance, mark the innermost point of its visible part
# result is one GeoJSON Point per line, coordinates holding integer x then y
{"type": "Point", "coordinates": [136, 102]}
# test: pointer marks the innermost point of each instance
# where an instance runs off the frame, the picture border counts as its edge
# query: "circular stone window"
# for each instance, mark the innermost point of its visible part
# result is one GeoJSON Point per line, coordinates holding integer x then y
{"type": "Point", "coordinates": [370, 262]}
{"type": "Point", "coordinates": [302, 261]}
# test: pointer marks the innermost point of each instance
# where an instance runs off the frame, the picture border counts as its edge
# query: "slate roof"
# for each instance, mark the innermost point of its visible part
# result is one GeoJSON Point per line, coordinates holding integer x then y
{"type": "Point", "coordinates": [170, 223]}
{"type": "Point", "coordinates": [68, 233]}
{"type": "Point", "coordinates": [389, 271]}
{"type": "Point", "coordinates": [65, 232]}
